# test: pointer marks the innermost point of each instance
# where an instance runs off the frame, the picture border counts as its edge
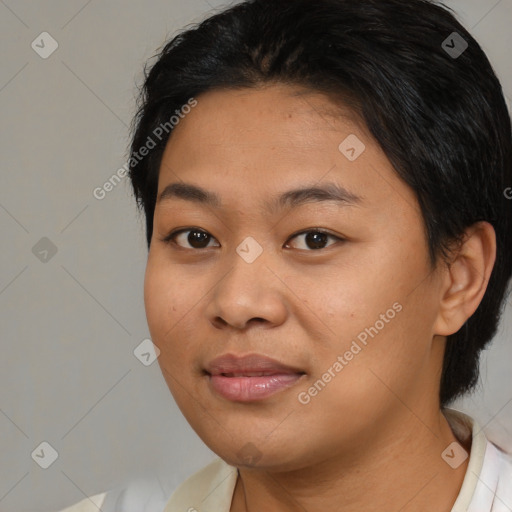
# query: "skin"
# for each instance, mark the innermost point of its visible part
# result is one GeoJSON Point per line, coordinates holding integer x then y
{"type": "Point", "coordinates": [376, 425]}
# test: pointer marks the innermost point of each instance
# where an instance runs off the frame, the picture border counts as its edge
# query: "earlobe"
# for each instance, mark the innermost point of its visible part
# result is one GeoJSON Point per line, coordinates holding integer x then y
{"type": "Point", "coordinates": [465, 278]}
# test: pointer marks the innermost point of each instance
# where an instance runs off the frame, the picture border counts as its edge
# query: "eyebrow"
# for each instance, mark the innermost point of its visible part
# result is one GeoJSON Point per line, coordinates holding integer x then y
{"type": "Point", "coordinates": [327, 192]}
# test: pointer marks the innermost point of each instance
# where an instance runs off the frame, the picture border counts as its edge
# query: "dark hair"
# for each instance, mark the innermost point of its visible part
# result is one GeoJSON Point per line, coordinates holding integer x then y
{"type": "Point", "coordinates": [441, 118]}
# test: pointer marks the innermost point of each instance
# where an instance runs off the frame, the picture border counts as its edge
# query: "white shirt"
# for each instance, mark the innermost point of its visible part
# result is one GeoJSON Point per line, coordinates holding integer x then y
{"type": "Point", "coordinates": [487, 485]}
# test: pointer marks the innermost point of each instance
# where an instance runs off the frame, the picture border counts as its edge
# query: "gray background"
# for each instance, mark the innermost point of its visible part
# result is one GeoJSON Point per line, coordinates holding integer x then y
{"type": "Point", "coordinates": [69, 325]}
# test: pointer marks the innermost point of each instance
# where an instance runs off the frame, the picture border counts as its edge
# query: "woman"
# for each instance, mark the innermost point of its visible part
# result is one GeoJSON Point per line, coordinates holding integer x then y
{"type": "Point", "coordinates": [329, 242]}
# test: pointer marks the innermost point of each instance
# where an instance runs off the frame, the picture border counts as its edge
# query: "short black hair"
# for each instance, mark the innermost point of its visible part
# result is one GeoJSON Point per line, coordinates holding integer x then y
{"type": "Point", "coordinates": [434, 105]}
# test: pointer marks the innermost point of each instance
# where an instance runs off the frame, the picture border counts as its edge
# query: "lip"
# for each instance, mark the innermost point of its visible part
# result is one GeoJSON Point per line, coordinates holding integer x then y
{"type": "Point", "coordinates": [250, 377]}
{"type": "Point", "coordinates": [250, 363]}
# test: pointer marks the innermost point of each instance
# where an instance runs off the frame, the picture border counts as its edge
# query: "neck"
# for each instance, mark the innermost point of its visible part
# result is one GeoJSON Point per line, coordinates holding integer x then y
{"type": "Point", "coordinates": [401, 468]}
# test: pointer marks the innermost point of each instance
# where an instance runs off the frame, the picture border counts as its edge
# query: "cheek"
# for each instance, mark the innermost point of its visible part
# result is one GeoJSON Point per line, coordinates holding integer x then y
{"type": "Point", "coordinates": [386, 307]}
{"type": "Point", "coordinates": [357, 381]}
{"type": "Point", "coordinates": [353, 296]}
{"type": "Point", "coordinates": [384, 357]}
{"type": "Point", "coordinates": [169, 299]}
{"type": "Point", "coordinates": [170, 318]}
{"type": "Point", "coordinates": [157, 300]}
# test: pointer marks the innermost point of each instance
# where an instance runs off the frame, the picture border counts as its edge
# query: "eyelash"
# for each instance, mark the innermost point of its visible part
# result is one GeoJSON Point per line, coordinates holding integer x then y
{"type": "Point", "coordinates": [170, 238]}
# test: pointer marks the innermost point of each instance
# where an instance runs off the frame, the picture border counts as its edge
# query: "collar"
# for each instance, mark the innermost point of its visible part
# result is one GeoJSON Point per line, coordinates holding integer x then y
{"type": "Point", "coordinates": [486, 485]}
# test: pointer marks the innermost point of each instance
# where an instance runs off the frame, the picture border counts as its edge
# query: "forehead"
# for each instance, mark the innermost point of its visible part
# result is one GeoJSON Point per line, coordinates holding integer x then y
{"type": "Point", "coordinates": [254, 142]}
{"type": "Point", "coordinates": [228, 115]}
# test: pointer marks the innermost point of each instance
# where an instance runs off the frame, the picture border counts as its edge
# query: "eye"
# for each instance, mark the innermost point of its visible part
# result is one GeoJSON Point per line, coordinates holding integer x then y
{"type": "Point", "coordinates": [197, 238]}
{"type": "Point", "coordinates": [316, 239]}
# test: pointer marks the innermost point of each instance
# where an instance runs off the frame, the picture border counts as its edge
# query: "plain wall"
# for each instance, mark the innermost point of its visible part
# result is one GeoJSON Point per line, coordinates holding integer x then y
{"type": "Point", "coordinates": [70, 325]}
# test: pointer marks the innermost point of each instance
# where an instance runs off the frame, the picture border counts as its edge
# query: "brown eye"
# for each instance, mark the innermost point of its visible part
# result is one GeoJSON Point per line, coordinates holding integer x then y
{"type": "Point", "coordinates": [196, 238]}
{"type": "Point", "coordinates": [315, 239]}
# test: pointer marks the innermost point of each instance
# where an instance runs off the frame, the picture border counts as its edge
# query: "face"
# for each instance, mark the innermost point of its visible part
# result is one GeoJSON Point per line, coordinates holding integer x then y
{"type": "Point", "coordinates": [338, 293]}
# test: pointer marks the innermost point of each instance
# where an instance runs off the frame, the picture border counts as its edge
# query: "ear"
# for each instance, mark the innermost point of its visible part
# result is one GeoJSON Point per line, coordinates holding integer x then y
{"type": "Point", "coordinates": [465, 278]}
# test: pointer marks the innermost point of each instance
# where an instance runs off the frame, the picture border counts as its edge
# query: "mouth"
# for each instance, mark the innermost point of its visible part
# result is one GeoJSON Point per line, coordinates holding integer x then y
{"type": "Point", "coordinates": [249, 374]}
{"type": "Point", "coordinates": [250, 378]}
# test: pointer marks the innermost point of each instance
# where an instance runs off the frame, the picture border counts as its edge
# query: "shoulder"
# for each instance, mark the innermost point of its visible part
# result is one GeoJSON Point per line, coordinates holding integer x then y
{"type": "Point", "coordinates": [503, 461]}
{"type": "Point", "coordinates": [493, 491]}
{"type": "Point", "coordinates": [138, 495]}
{"type": "Point", "coordinates": [210, 488]}
{"type": "Point", "coordinates": [155, 494]}
{"type": "Point", "coordinates": [487, 482]}
{"type": "Point", "coordinates": [90, 504]}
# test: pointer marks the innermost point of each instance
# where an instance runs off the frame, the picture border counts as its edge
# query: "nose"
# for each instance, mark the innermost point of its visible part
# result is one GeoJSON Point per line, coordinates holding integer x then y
{"type": "Point", "coordinates": [249, 293]}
